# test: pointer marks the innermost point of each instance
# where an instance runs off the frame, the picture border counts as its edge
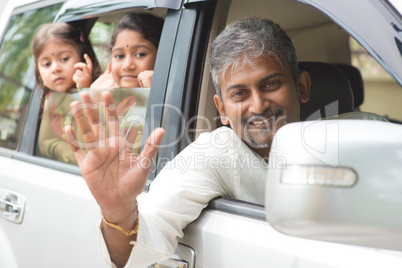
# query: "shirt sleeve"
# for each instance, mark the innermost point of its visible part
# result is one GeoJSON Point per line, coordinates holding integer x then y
{"type": "Point", "coordinates": [178, 195]}
{"type": "Point", "coordinates": [175, 199]}
{"type": "Point", "coordinates": [103, 248]}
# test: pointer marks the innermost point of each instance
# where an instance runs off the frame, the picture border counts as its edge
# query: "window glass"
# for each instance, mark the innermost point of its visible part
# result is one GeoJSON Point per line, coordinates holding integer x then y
{"type": "Point", "coordinates": [130, 98]}
{"type": "Point", "coordinates": [16, 70]}
{"type": "Point", "coordinates": [130, 105]}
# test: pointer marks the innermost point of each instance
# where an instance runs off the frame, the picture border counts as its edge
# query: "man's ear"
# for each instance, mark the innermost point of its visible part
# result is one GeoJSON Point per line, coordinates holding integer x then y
{"type": "Point", "coordinates": [221, 110]}
{"type": "Point", "coordinates": [303, 87]}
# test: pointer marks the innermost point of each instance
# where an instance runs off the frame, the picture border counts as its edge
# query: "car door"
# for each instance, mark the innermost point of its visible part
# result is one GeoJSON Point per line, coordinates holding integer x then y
{"type": "Point", "coordinates": [232, 233]}
{"type": "Point", "coordinates": [48, 215]}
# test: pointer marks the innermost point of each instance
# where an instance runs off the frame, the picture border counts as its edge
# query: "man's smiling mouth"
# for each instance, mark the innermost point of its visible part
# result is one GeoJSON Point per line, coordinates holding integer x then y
{"type": "Point", "coordinates": [260, 125]}
{"type": "Point", "coordinates": [263, 120]}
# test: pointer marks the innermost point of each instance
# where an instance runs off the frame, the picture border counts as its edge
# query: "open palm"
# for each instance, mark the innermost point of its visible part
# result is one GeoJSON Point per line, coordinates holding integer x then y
{"type": "Point", "coordinates": [113, 174]}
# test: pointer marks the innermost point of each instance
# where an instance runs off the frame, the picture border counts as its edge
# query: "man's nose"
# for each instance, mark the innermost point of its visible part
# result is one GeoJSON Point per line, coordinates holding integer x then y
{"type": "Point", "coordinates": [258, 103]}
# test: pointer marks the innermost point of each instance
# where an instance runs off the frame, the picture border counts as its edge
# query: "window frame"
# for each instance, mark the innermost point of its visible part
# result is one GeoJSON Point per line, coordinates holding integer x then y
{"type": "Point", "coordinates": [28, 148]}
{"type": "Point", "coordinates": [25, 124]}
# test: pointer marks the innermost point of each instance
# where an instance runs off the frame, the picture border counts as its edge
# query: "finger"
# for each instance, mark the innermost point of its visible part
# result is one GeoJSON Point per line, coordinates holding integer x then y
{"type": "Point", "coordinates": [145, 78]}
{"type": "Point", "coordinates": [78, 79]}
{"type": "Point", "coordinates": [152, 145]}
{"type": "Point", "coordinates": [88, 62]}
{"type": "Point", "coordinates": [83, 125]}
{"type": "Point", "coordinates": [140, 80]}
{"type": "Point", "coordinates": [82, 70]}
{"type": "Point", "coordinates": [80, 66]}
{"type": "Point", "coordinates": [111, 117]}
{"type": "Point", "coordinates": [108, 99]}
{"type": "Point", "coordinates": [131, 136]}
{"type": "Point", "coordinates": [79, 154]}
{"type": "Point", "coordinates": [92, 111]}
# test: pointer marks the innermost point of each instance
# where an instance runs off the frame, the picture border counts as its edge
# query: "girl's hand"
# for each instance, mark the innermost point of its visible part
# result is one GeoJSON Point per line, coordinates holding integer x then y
{"type": "Point", "coordinates": [105, 80]}
{"type": "Point", "coordinates": [113, 174]}
{"type": "Point", "coordinates": [83, 74]}
{"type": "Point", "coordinates": [145, 78]}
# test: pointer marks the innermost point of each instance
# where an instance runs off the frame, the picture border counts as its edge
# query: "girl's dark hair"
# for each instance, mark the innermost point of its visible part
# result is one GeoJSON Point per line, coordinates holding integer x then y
{"type": "Point", "coordinates": [68, 34]}
{"type": "Point", "coordinates": [148, 25]}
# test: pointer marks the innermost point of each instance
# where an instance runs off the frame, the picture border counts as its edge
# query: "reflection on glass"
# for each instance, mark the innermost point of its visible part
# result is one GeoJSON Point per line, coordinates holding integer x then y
{"type": "Point", "coordinates": [16, 67]}
{"type": "Point", "coordinates": [130, 105]}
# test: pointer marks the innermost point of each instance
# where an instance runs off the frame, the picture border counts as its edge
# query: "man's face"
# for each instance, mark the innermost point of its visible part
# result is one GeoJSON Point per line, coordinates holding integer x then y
{"type": "Point", "coordinates": [260, 98]}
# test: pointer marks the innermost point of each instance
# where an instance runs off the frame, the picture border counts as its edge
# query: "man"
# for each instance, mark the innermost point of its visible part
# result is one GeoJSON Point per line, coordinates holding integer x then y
{"type": "Point", "coordinates": [259, 89]}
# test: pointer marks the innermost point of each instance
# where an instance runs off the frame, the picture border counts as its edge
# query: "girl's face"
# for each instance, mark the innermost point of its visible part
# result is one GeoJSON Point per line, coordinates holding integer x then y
{"type": "Point", "coordinates": [131, 55]}
{"type": "Point", "coordinates": [56, 65]}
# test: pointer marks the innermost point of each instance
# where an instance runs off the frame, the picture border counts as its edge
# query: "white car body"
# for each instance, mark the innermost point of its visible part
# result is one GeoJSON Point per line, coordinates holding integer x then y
{"type": "Point", "coordinates": [58, 215]}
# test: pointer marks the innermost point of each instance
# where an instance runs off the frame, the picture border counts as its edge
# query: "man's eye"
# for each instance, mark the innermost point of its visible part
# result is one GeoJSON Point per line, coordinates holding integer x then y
{"type": "Point", "coordinates": [271, 85]}
{"type": "Point", "coordinates": [238, 94]}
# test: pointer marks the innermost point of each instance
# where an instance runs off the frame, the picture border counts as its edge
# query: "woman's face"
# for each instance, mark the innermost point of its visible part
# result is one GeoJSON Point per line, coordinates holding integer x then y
{"type": "Point", "coordinates": [131, 55]}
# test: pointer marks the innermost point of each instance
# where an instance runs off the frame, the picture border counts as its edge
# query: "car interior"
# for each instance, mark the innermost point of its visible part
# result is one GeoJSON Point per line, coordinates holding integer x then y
{"type": "Point", "coordinates": [324, 51]}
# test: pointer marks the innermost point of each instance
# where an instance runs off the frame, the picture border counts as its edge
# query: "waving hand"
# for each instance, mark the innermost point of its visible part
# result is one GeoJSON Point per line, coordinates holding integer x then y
{"type": "Point", "coordinates": [114, 176]}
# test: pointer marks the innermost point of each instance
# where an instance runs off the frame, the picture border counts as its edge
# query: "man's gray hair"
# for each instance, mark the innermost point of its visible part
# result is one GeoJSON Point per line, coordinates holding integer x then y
{"type": "Point", "coordinates": [248, 39]}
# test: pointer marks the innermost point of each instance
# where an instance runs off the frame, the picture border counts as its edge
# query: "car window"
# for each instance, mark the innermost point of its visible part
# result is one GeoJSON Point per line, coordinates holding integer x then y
{"type": "Point", "coordinates": [317, 38]}
{"type": "Point", "coordinates": [130, 104]}
{"type": "Point", "coordinates": [16, 71]}
{"type": "Point", "coordinates": [382, 94]}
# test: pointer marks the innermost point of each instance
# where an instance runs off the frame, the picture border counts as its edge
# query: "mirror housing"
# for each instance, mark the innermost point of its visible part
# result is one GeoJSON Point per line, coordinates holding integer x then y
{"type": "Point", "coordinates": [337, 181]}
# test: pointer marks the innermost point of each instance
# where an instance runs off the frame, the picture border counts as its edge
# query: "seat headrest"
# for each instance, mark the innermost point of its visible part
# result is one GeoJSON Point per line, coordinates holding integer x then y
{"type": "Point", "coordinates": [356, 82]}
{"type": "Point", "coordinates": [330, 93]}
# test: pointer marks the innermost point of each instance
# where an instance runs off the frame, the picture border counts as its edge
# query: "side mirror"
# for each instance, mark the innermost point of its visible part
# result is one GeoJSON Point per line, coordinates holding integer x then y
{"type": "Point", "coordinates": [337, 181]}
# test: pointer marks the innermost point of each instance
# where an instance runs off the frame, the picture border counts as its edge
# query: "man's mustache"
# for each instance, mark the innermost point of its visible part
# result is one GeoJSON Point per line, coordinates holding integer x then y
{"type": "Point", "coordinates": [268, 113]}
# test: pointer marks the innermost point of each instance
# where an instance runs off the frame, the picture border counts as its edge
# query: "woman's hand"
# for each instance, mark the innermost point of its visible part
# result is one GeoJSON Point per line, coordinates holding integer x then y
{"type": "Point", "coordinates": [113, 174]}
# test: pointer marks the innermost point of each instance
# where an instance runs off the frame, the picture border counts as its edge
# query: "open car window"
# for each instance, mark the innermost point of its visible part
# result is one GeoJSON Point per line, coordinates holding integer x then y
{"type": "Point", "coordinates": [319, 39]}
{"type": "Point", "coordinates": [130, 104]}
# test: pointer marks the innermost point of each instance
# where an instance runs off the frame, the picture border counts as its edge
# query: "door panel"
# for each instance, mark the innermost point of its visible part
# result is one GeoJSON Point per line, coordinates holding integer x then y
{"type": "Point", "coordinates": [222, 239]}
{"type": "Point", "coordinates": [58, 227]}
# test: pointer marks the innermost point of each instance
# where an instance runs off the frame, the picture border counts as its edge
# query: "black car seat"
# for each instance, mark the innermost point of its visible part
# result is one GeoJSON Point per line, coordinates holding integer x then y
{"type": "Point", "coordinates": [356, 83]}
{"type": "Point", "coordinates": [330, 94]}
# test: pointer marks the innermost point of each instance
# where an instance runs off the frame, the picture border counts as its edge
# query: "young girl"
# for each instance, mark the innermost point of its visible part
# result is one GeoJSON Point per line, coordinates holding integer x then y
{"type": "Point", "coordinates": [135, 42]}
{"type": "Point", "coordinates": [64, 61]}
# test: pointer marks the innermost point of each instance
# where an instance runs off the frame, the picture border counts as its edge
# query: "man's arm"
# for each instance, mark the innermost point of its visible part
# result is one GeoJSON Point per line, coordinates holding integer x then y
{"type": "Point", "coordinates": [114, 176]}
{"type": "Point", "coordinates": [118, 244]}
